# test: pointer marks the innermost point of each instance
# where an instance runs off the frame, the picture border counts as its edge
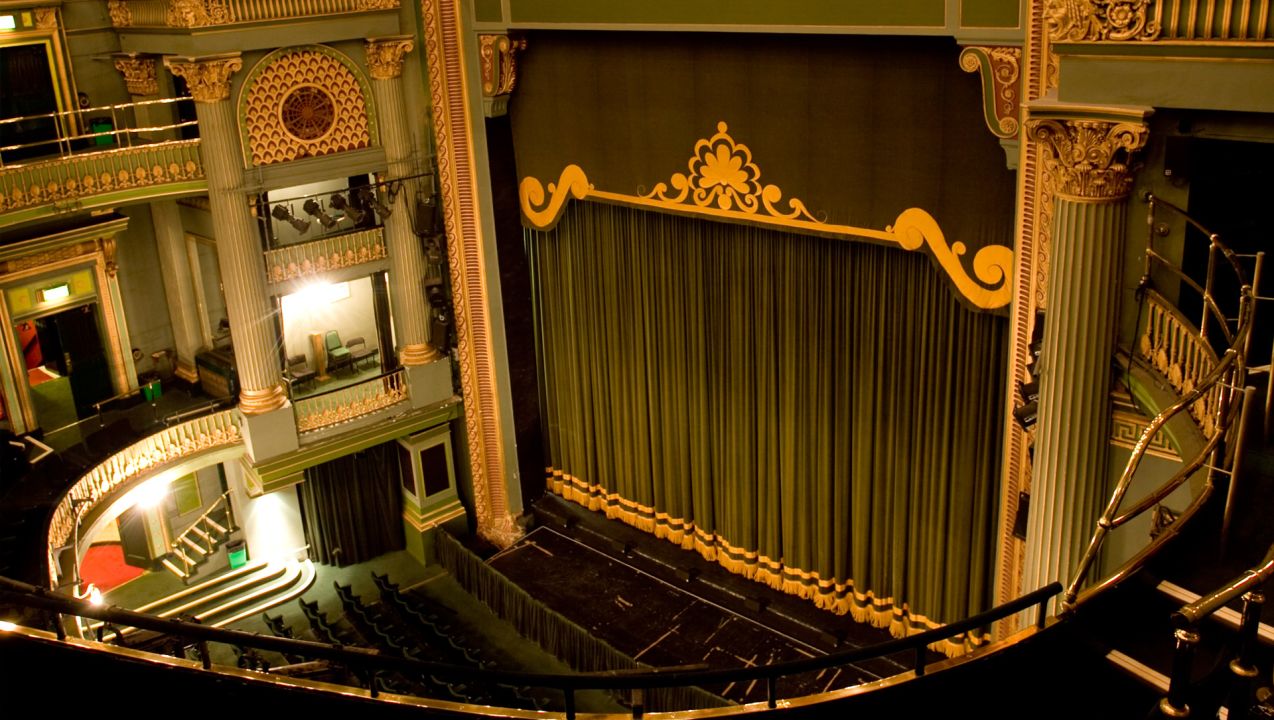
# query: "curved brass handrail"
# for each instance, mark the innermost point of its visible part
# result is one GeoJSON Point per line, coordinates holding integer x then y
{"type": "Point", "coordinates": [1229, 373]}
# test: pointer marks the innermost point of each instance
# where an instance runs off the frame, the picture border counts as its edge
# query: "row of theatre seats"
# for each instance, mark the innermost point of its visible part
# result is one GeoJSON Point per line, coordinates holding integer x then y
{"type": "Point", "coordinates": [408, 626]}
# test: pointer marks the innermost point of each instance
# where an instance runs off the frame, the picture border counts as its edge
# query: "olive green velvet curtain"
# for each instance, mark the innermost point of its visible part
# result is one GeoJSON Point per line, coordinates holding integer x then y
{"type": "Point", "coordinates": [819, 415]}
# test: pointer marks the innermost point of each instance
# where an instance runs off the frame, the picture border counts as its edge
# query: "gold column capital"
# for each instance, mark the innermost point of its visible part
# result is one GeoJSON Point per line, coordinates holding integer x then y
{"type": "Point", "coordinates": [385, 56]}
{"type": "Point", "coordinates": [139, 73]}
{"type": "Point", "coordinates": [497, 56]}
{"type": "Point", "coordinates": [207, 78]}
{"type": "Point", "coordinates": [1088, 159]}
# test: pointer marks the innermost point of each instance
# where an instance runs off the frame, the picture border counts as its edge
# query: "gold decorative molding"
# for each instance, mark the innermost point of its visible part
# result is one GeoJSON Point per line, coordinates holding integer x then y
{"type": "Point", "coordinates": [350, 403]}
{"type": "Point", "coordinates": [86, 249]}
{"type": "Point", "coordinates": [197, 13]}
{"type": "Point", "coordinates": [376, 4]}
{"type": "Point", "coordinates": [46, 18]}
{"type": "Point", "coordinates": [263, 400]}
{"type": "Point", "coordinates": [318, 88]}
{"type": "Point", "coordinates": [1000, 68]}
{"type": "Point", "coordinates": [497, 55]}
{"type": "Point", "coordinates": [1126, 429]}
{"type": "Point", "coordinates": [724, 183]}
{"type": "Point", "coordinates": [444, 48]}
{"type": "Point", "coordinates": [121, 15]}
{"type": "Point", "coordinates": [207, 78]}
{"type": "Point", "coordinates": [1088, 159]}
{"type": "Point", "coordinates": [315, 258]}
{"type": "Point", "coordinates": [1094, 20]}
{"type": "Point", "coordinates": [139, 74]}
{"type": "Point", "coordinates": [418, 354]}
{"type": "Point", "coordinates": [385, 56]}
{"type": "Point", "coordinates": [1172, 346]}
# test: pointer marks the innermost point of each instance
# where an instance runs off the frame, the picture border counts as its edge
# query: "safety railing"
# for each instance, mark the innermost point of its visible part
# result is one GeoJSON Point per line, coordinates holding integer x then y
{"type": "Point", "coordinates": [90, 130]}
{"type": "Point", "coordinates": [1211, 388]}
{"type": "Point", "coordinates": [350, 402]}
{"type": "Point", "coordinates": [304, 260]}
{"type": "Point", "coordinates": [1243, 670]}
{"type": "Point", "coordinates": [369, 664]}
{"type": "Point", "coordinates": [179, 547]}
{"type": "Point", "coordinates": [165, 446]}
{"type": "Point", "coordinates": [205, 13]}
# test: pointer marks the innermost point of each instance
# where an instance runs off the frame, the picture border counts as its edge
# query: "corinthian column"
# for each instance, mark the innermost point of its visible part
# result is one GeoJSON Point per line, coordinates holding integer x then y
{"type": "Point", "coordinates": [239, 255]}
{"type": "Point", "coordinates": [1085, 162]}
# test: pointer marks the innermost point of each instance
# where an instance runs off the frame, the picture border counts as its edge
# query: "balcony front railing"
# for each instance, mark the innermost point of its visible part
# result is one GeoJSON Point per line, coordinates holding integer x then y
{"type": "Point", "coordinates": [350, 402]}
{"type": "Point", "coordinates": [1214, 20]}
{"type": "Point", "coordinates": [1162, 20]}
{"type": "Point", "coordinates": [206, 13]}
{"type": "Point", "coordinates": [1174, 347]}
{"type": "Point", "coordinates": [92, 130]}
{"type": "Point", "coordinates": [319, 256]}
{"type": "Point", "coordinates": [166, 446]}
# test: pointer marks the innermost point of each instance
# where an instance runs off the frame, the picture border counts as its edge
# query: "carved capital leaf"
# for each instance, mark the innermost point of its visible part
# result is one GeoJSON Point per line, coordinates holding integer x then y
{"type": "Point", "coordinates": [497, 56]}
{"type": "Point", "coordinates": [1089, 158]}
{"type": "Point", "coordinates": [385, 57]}
{"type": "Point", "coordinates": [121, 15]}
{"type": "Point", "coordinates": [139, 74]}
{"type": "Point", "coordinates": [208, 80]}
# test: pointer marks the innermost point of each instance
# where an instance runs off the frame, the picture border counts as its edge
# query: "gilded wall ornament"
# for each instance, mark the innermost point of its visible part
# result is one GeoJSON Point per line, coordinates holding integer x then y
{"type": "Point", "coordinates": [208, 79]}
{"type": "Point", "coordinates": [1091, 20]}
{"type": "Point", "coordinates": [1001, 91]}
{"type": "Point", "coordinates": [197, 13]}
{"type": "Point", "coordinates": [385, 56]}
{"type": "Point", "coordinates": [304, 102]}
{"type": "Point", "coordinates": [119, 12]}
{"type": "Point", "coordinates": [1089, 159]}
{"type": "Point", "coordinates": [725, 183]}
{"type": "Point", "coordinates": [376, 4]}
{"type": "Point", "coordinates": [139, 74]}
{"type": "Point", "coordinates": [46, 18]}
{"type": "Point", "coordinates": [497, 56]}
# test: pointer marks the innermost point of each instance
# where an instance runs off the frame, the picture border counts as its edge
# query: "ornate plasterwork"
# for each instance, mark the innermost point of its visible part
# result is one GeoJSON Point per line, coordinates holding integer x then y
{"type": "Point", "coordinates": [1127, 428]}
{"type": "Point", "coordinates": [269, 134]}
{"type": "Point", "coordinates": [298, 261]}
{"type": "Point", "coordinates": [208, 79]}
{"type": "Point", "coordinates": [1001, 86]}
{"type": "Point", "coordinates": [197, 13]}
{"type": "Point", "coordinates": [385, 56]}
{"type": "Point", "coordinates": [46, 18]}
{"type": "Point", "coordinates": [1089, 20]}
{"type": "Point", "coordinates": [121, 15]}
{"type": "Point", "coordinates": [724, 183]}
{"type": "Point", "coordinates": [139, 74]}
{"type": "Point", "coordinates": [88, 248]}
{"type": "Point", "coordinates": [350, 403]}
{"type": "Point", "coordinates": [497, 56]}
{"type": "Point", "coordinates": [1088, 159]}
{"type": "Point", "coordinates": [457, 186]}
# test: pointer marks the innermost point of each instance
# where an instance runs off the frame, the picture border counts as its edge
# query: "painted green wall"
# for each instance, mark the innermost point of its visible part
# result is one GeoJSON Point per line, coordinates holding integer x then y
{"type": "Point", "coordinates": [989, 13]}
{"type": "Point", "coordinates": [487, 11]}
{"type": "Point", "coordinates": [905, 13]}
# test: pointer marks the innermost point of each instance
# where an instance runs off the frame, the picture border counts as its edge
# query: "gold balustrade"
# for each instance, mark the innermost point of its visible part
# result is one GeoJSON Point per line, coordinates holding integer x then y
{"type": "Point", "coordinates": [210, 13]}
{"type": "Point", "coordinates": [168, 445]}
{"type": "Point", "coordinates": [350, 402]}
{"type": "Point", "coordinates": [1173, 346]}
{"type": "Point", "coordinates": [1244, 20]}
{"type": "Point", "coordinates": [330, 253]}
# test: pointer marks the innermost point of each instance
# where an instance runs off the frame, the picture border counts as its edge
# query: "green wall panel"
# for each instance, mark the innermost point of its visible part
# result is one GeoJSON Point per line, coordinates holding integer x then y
{"type": "Point", "coordinates": [487, 11]}
{"type": "Point", "coordinates": [989, 13]}
{"type": "Point", "coordinates": [867, 13]}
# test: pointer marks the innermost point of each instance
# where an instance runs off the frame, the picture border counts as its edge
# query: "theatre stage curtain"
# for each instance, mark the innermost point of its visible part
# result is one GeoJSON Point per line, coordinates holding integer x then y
{"type": "Point", "coordinates": [352, 507]}
{"type": "Point", "coordinates": [819, 415]}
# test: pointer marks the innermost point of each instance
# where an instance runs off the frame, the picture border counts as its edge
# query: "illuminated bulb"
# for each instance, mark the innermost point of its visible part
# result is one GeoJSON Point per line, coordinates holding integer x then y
{"type": "Point", "coordinates": [151, 494]}
{"type": "Point", "coordinates": [6, 626]}
{"type": "Point", "coordinates": [95, 595]}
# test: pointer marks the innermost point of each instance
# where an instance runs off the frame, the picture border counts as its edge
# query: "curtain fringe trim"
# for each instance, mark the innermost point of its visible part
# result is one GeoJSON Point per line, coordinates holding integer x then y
{"type": "Point", "coordinates": [828, 594]}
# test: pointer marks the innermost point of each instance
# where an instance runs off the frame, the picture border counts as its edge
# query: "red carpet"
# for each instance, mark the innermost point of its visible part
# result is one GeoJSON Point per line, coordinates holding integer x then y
{"type": "Point", "coordinates": [103, 565]}
{"type": "Point", "coordinates": [37, 375]}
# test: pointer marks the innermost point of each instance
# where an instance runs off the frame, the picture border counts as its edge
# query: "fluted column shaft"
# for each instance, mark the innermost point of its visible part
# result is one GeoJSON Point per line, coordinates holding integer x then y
{"type": "Point", "coordinates": [1087, 162]}
{"type": "Point", "coordinates": [179, 289]}
{"type": "Point", "coordinates": [406, 257]}
{"type": "Point", "coordinates": [238, 244]}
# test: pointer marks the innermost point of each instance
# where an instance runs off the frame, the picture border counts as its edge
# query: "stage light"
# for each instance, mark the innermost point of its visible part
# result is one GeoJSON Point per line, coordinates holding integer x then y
{"type": "Point", "coordinates": [283, 214]}
{"type": "Point", "coordinates": [339, 202]}
{"type": "Point", "coordinates": [315, 210]}
{"type": "Point", "coordinates": [373, 200]}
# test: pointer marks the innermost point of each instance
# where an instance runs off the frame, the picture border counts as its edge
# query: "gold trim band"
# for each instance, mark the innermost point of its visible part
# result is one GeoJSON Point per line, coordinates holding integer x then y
{"type": "Point", "coordinates": [259, 402]}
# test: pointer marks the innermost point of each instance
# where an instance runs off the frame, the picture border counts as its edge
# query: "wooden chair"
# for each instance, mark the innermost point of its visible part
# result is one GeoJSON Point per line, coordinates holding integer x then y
{"type": "Point", "coordinates": [299, 370]}
{"type": "Point", "coordinates": [361, 352]}
{"type": "Point", "coordinates": [338, 355]}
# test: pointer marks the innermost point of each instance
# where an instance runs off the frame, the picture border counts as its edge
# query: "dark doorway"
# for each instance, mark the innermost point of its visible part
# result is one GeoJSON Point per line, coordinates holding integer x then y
{"type": "Point", "coordinates": [133, 538]}
{"type": "Point", "coordinates": [28, 90]}
{"type": "Point", "coordinates": [71, 346]}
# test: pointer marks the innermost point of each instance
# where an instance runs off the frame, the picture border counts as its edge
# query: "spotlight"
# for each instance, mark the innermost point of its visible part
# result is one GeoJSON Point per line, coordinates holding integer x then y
{"type": "Point", "coordinates": [373, 201]}
{"type": "Point", "coordinates": [339, 203]}
{"type": "Point", "coordinates": [315, 210]}
{"type": "Point", "coordinates": [283, 214]}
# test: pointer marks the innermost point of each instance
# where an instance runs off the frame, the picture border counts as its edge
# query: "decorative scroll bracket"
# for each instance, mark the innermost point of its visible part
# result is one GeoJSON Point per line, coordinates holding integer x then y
{"type": "Point", "coordinates": [497, 59]}
{"type": "Point", "coordinates": [724, 183]}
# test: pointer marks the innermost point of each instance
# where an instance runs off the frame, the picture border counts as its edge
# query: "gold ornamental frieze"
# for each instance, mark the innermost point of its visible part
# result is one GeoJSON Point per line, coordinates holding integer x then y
{"type": "Point", "coordinates": [1092, 20]}
{"type": "Point", "coordinates": [724, 183]}
{"type": "Point", "coordinates": [315, 258]}
{"type": "Point", "coordinates": [1088, 159]}
{"type": "Point", "coordinates": [199, 14]}
{"type": "Point", "coordinates": [350, 403]}
{"type": "Point", "coordinates": [1127, 428]}
{"type": "Point", "coordinates": [304, 102]}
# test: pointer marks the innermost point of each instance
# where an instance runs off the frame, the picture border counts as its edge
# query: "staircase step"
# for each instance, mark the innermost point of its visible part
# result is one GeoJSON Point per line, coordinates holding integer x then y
{"type": "Point", "coordinates": [216, 526]}
{"type": "Point", "coordinates": [1139, 670]}
{"type": "Point", "coordinates": [202, 535]}
{"type": "Point", "coordinates": [193, 545]}
{"type": "Point", "coordinates": [174, 569]}
{"type": "Point", "coordinates": [182, 556]}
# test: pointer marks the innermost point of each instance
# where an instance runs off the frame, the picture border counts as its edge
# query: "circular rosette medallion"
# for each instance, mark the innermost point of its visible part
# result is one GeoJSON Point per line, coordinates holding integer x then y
{"type": "Point", "coordinates": [308, 113]}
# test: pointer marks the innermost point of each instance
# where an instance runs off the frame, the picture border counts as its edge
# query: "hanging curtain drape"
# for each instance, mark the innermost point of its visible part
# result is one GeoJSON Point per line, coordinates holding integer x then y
{"type": "Point", "coordinates": [352, 507]}
{"type": "Point", "coordinates": [819, 415]}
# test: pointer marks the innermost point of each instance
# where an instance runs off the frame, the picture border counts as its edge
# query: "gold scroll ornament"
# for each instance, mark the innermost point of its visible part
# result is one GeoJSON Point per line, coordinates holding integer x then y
{"type": "Point", "coordinates": [725, 183]}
